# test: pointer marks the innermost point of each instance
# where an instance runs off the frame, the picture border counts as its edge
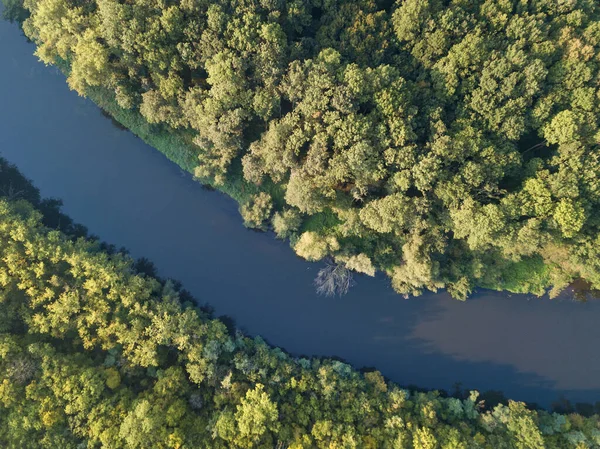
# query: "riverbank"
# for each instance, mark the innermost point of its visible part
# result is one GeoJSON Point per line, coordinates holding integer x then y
{"type": "Point", "coordinates": [129, 194]}
{"type": "Point", "coordinates": [358, 226]}
{"type": "Point", "coordinates": [196, 382]}
{"type": "Point", "coordinates": [530, 275]}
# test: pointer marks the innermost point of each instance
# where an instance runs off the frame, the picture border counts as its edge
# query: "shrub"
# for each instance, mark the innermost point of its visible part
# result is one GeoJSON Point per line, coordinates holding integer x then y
{"type": "Point", "coordinates": [257, 211]}
{"type": "Point", "coordinates": [286, 223]}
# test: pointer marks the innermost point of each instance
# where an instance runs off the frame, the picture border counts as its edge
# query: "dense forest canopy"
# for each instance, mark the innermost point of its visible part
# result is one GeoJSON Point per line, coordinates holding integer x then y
{"type": "Point", "coordinates": [450, 143]}
{"type": "Point", "coordinates": [95, 353]}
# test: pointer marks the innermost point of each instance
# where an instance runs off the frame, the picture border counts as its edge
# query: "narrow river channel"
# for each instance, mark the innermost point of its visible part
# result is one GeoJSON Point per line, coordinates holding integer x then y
{"type": "Point", "coordinates": [131, 195]}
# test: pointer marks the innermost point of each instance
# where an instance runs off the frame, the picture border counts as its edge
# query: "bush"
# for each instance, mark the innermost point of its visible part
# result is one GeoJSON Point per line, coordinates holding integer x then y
{"type": "Point", "coordinates": [257, 211]}
{"type": "Point", "coordinates": [286, 223]}
{"type": "Point", "coordinates": [313, 246]}
{"type": "Point", "coordinates": [360, 263]}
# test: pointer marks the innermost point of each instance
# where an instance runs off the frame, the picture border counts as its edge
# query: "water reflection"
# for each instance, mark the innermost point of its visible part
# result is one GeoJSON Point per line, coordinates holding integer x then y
{"type": "Point", "coordinates": [131, 196]}
{"type": "Point", "coordinates": [555, 339]}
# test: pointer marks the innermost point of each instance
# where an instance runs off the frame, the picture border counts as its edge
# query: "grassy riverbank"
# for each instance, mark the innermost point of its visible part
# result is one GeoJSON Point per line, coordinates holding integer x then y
{"type": "Point", "coordinates": [531, 275]}
{"type": "Point", "coordinates": [93, 352]}
{"type": "Point", "coordinates": [176, 145]}
{"type": "Point", "coordinates": [368, 142]}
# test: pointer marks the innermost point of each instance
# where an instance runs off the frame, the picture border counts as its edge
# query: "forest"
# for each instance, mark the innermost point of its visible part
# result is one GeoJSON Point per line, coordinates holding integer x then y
{"type": "Point", "coordinates": [96, 351]}
{"type": "Point", "coordinates": [448, 143]}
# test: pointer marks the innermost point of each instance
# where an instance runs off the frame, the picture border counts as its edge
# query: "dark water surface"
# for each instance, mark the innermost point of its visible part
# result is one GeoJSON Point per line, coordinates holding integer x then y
{"type": "Point", "coordinates": [130, 195]}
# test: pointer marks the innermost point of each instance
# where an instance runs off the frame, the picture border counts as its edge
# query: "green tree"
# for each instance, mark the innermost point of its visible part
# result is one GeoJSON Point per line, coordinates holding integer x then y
{"type": "Point", "coordinates": [257, 211]}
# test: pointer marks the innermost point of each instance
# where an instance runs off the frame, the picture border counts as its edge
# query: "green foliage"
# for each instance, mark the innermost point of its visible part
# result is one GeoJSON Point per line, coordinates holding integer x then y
{"type": "Point", "coordinates": [286, 223]}
{"type": "Point", "coordinates": [95, 354]}
{"type": "Point", "coordinates": [569, 216]}
{"type": "Point", "coordinates": [529, 275]}
{"type": "Point", "coordinates": [359, 262]}
{"type": "Point", "coordinates": [450, 139]}
{"type": "Point", "coordinates": [313, 246]}
{"type": "Point", "coordinates": [257, 211]}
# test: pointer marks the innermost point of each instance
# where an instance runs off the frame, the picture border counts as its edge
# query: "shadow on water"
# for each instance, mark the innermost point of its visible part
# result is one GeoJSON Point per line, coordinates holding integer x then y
{"type": "Point", "coordinates": [115, 123]}
{"type": "Point", "coordinates": [582, 290]}
{"type": "Point", "coordinates": [131, 196]}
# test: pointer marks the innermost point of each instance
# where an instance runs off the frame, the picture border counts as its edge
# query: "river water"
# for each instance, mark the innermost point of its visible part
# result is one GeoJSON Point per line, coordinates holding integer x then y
{"type": "Point", "coordinates": [131, 195]}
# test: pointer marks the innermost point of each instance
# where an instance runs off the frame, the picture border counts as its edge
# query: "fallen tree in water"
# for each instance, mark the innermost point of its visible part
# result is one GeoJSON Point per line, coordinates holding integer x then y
{"type": "Point", "coordinates": [452, 144]}
{"type": "Point", "coordinates": [95, 353]}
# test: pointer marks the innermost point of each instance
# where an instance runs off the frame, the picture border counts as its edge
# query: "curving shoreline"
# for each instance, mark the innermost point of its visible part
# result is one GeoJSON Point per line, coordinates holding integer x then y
{"type": "Point", "coordinates": [129, 360]}
{"type": "Point", "coordinates": [92, 167]}
{"type": "Point", "coordinates": [397, 163]}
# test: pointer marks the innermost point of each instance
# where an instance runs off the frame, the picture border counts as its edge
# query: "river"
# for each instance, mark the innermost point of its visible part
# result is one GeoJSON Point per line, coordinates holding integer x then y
{"type": "Point", "coordinates": [131, 195]}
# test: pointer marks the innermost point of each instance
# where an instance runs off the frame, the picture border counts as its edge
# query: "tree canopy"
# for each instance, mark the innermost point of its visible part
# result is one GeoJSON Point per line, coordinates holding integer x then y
{"type": "Point", "coordinates": [451, 143]}
{"type": "Point", "coordinates": [95, 353]}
